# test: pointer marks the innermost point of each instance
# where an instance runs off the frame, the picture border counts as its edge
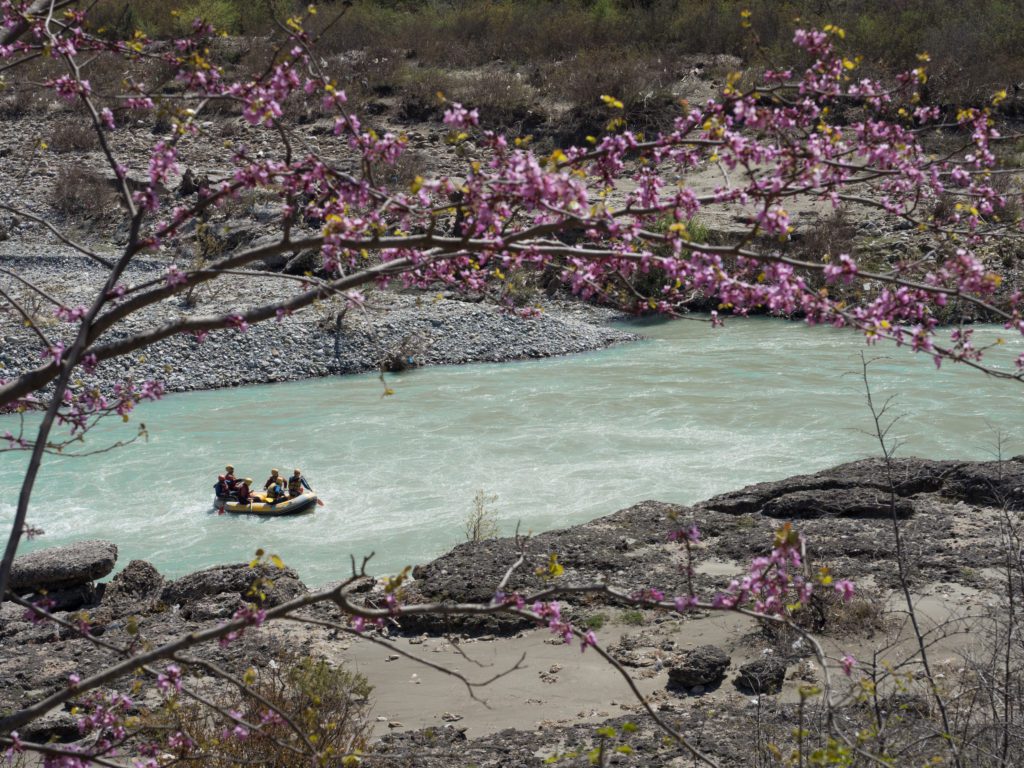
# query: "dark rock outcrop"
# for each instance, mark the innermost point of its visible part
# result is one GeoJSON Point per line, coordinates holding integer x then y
{"type": "Point", "coordinates": [73, 597]}
{"type": "Point", "coordinates": [975, 482]}
{"type": "Point", "coordinates": [62, 567]}
{"type": "Point", "coordinates": [844, 513]}
{"type": "Point", "coordinates": [137, 582]}
{"type": "Point", "coordinates": [837, 502]}
{"type": "Point", "coordinates": [762, 676]}
{"type": "Point", "coordinates": [59, 726]}
{"type": "Point", "coordinates": [278, 585]}
{"type": "Point", "coordinates": [134, 590]}
{"type": "Point", "coordinates": [704, 665]}
{"type": "Point", "coordinates": [911, 476]}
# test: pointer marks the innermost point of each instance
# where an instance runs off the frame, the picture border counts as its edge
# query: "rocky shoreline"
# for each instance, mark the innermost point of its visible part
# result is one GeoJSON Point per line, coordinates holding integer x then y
{"type": "Point", "coordinates": [394, 331]}
{"type": "Point", "coordinates": [950, 512]}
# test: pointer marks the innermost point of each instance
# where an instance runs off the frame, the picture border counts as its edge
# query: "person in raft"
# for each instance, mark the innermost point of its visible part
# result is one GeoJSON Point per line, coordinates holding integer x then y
{"type": "Point", "coordinates": [274, 487]}
{"type": "Point", "coordinates": [296, 484]}
{"type": "Point", "coordinates": [220, 489]}
{"type": "Point", "coordinates": [242, 489]}
{"type": "Point", "coordinates": [274, 479]}
{"type": "Point", "coordinates": [229, 478]}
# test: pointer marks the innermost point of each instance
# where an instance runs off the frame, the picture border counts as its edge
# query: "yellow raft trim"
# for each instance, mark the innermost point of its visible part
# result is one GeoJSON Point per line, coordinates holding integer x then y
{"type": "Point", "coordinates": [261, 506]}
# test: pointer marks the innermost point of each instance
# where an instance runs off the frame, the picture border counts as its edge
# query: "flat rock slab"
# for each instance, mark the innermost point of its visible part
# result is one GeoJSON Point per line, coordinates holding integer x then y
{"type": "Point", "coordinates": [837, 502]}
{"type": "Point", "coordinates": [62, 567]}
{"type": "Point", "coordinates": [278, 585]}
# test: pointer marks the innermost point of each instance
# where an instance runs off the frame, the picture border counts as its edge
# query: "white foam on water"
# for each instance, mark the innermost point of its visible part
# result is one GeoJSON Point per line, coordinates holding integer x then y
{"type": "Point", "coordinates": [687, 414]}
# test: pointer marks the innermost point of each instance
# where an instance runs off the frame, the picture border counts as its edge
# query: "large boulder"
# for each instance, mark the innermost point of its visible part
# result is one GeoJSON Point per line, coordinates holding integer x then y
{"type": "Point", "coordinates": [59, 568]}
{"type": "Point", "coordinates": [134, 590]}
{"type": "Point", "coordinates": [139, 581]}
{"type": "Point", "coordinates": [910, 476]}
{"type": "Point", "coordinates": [704, 665]}
{"type": "Point", "coordinates": [279, 584]}
{"type": "Point", "coordinates": [993, 483]}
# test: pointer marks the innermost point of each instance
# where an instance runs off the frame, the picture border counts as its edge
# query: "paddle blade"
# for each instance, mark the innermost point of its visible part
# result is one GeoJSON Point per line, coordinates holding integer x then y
{"type": "Point", "coordinates": [319, 502]}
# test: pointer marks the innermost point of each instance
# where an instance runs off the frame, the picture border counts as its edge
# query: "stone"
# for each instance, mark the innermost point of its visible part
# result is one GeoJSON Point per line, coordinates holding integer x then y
{"type": "Point", "coordinates": [275, 262]}
{"type": "Point", "coordinates": [72, 598]}
{"type": "Point", "coordinates": [138, 582]}
{"type": "Point", "coordinates": [283, 584]}
{"type": "Point", "coordinates": [309, 260]}
{"type": "Point", "coordinates": [213, 607]}
{"type": "Point", "coordinates": [58, 726]}
{"type": "Point", "coordinates": [762, 676]}
{"type": "Point", "coordinates": [704, 665]}
{"type": "Point", "coordinates": [61, 567]}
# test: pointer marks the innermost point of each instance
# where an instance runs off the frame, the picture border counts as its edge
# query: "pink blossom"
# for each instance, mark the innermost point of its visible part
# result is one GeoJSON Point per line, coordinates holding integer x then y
{"type": "Point", "coordinates": [169, 680]}
{"type": "Point", "coordinates": [848, 662]}
{"type": "Point", "coordinates": [459, 117]}
{"type": "Point", "coordinates": [589, 640]}
{"type": "Point", "coordinates": [845, 588]}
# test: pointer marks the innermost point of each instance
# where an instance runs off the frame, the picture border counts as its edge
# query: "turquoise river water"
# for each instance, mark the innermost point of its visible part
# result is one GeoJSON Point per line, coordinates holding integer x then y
{"type": "Point", "coordinates": [686, 414]}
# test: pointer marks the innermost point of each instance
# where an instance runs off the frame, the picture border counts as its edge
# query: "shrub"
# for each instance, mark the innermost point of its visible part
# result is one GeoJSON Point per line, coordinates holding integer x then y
{"type": "Point", "coordinates": [327, 703]}
{"type": "Point", "coordinates": [832, 235]}
{"type": "Point", "coordinates": [81, 193]}
{"type": "Point", "coordinates": [827, 614]}
{"type": "Point", "coordinates": [632, 617]}
{"type": "Point", "coordinates": [503, 98]}
{"type": "Point", "coordinates": [222, 14]}
{"type": "Point", "coordinates": [16, 102]}
{"type": "Point", "coordinates": [73, 135]}
{"type": "Point", "coordinates": [402, 172]}
{"type": "Point", "coordinates": [418, 90]}
{"type": "Point", "coordinates": [481, 522]}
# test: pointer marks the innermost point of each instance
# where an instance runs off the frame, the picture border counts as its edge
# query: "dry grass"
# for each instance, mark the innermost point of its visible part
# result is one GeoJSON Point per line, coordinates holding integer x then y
{"type": "Point", "coordinates": [73, 134]}
{"type": "Point", "coordinates": [975, 46]}
{"type": "Point", "coordinates": [83, 194]}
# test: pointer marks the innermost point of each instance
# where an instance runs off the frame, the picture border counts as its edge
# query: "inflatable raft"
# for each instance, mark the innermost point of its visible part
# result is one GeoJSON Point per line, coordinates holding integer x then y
{"type": "Point", "coordinates": [262, 506]}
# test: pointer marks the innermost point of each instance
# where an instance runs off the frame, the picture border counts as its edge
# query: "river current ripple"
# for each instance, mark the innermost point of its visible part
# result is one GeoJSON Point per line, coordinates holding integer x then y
{"type": "Point", "coordinates": [691, 412]}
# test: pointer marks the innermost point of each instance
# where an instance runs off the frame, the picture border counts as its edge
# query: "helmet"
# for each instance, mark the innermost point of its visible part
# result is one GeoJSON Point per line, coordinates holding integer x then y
{"type": "Point", "coordinates": [220, 477]}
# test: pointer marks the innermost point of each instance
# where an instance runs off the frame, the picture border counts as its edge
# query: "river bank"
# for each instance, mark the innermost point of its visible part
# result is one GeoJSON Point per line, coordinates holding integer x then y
{"type": "Point", "coordinates": [394, 331]}
{"type": "Point", "coordinates": [951, 513]}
